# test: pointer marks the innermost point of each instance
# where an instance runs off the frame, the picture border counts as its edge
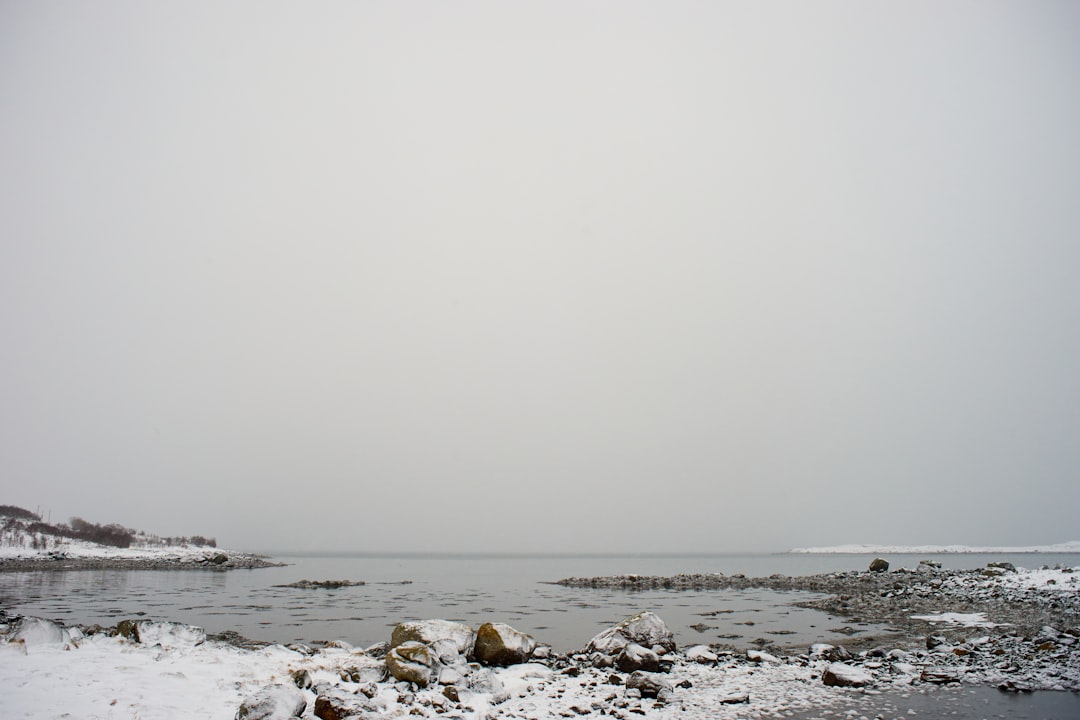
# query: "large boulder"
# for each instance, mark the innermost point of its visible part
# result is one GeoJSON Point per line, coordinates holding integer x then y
{"type": "Point", "coordinates": [645, 629]}
{"type": "Point", "coordinates": [499, 644]}
{"type": "Point", "coordinates": [879, 565]}
{"type": "Point", "coordinates": [447, 639]}
{"type": "Point", "coordinates": [635, 657]}
{"type": "Point", "coordinates": [273, 702]}
{"type": "Point", "coordinates": [413, 662]}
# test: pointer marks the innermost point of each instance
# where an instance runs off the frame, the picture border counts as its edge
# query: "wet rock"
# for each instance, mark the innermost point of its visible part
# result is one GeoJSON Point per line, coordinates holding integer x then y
{"type": "Point", "coordinates": [413, 662]}
{"type": "Point", "coordinates": [274, 702]}
{"type": "Point", "coordinates": [879, 565]}
{"type": "Point", "coordinates": [648, 684]}
{"type": "Point", "coordinates": [499, 644]}
{"type": "Point", "coordinates": [843, 675]}
{"type": "Point", "coordinates": [645, 629]}
{"type": "Point", "coordinates": [635, 657]}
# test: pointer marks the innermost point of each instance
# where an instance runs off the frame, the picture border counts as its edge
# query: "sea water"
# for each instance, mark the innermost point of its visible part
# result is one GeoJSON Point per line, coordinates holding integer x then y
{"type": "Point", "coordinates": [468, 588]}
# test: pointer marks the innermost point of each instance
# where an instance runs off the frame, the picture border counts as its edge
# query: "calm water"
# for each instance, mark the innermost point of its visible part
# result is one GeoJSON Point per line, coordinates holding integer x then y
{"type": "Point", "coordinates": [471, 589]}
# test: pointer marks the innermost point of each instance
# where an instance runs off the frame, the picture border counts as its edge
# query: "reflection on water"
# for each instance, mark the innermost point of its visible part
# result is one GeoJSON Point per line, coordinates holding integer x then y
{"type": "Point", "coordinates": [467, 589]}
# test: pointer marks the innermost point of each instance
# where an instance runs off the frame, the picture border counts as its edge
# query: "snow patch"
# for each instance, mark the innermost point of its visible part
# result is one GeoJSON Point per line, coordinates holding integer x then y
{"type": "Point", "coordinates": [958, 619]}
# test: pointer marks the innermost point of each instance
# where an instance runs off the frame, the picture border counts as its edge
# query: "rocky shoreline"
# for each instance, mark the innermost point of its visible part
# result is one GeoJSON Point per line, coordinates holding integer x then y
{"type": "Point", "coordinates": [1014, 631]}
{"type": "Point", "coordinates": [1020, 631]}
{"type": "Point", "coordinates": [214, 561]}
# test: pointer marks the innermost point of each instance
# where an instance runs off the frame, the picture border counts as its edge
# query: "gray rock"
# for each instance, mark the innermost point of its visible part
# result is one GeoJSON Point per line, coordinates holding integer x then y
{"type": "Point", "coordinates": [273, 702]}
{"type": "Point", "coordinates": [879, 565]}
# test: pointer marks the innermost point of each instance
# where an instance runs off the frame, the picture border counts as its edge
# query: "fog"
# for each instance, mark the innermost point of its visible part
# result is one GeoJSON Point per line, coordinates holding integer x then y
{"type": "Point", "coordinates": [543, 276]}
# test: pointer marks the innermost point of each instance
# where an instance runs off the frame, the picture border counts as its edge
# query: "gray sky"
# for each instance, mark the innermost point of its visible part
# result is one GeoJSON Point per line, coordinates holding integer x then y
{"type": "Point", "coordinates": [541, 276]}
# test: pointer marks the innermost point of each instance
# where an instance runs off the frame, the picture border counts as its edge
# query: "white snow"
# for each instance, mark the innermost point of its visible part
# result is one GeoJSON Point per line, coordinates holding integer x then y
{"type": "Point", "coordinates": [1068, 547]}
{"type": "Point", "coordinates": [960, 619]}
{"type": "Point", "coordinates": [105, 677]}
{"type": "Point", "coordinates": [1051, 580]}
{"type": "Point", "coordinates": [12, 548]}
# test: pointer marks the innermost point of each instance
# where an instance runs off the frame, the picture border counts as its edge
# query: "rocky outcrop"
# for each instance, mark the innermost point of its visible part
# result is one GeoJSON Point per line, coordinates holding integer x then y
{"type": "Point", "coordinates": [273, 702]}
{"type": "Point", "coordinates": [645, 629]}
{"type": "Point", "coordinates": [414, 662]}
{"type": "Point", "coordinates": [499, 644]}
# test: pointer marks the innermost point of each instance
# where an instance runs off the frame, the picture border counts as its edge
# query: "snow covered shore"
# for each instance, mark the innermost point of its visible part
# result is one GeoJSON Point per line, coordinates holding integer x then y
{"type": "Point", "coordinates": [72, 554]}
{"type": "Point", "coordinates": [150, 669]}
{"type": "Point", "coordinates": [1068, 547]}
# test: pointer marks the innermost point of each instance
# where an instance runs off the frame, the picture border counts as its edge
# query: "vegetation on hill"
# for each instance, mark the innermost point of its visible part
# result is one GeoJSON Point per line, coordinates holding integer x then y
{"type": "Point", "coordinates": [18, 520]}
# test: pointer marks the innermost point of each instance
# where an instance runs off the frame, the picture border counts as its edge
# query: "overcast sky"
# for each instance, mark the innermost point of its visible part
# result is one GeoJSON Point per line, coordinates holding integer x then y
{"type": "Point", "coordinates": [542, 276]}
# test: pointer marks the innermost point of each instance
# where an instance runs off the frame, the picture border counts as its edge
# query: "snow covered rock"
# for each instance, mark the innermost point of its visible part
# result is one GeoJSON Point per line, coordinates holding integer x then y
{"type": "Point", "coordinates": [273, 702]}
{"type": "Point", "coordinates": [759, 656]}
{"type": "Point", "coordinates": [645, 629]}
{"type": "Point", "coordinates": [33, 631]}
{"type": "Point", "coordinates": [841, 675]}
{"type": "Point", "coordinates": [702, 654]}
{"type": "Point", "coordinates": [500, 644]}
{"type": "Point", "coordinates": [412, 661]}
{"type": "Point", "coordinates": [832, 653]}
{"type": "Point", "coordinates": [168, 634]}
{"type": "Point", "coordinates": [648, 684]}
{"type": "Point", "coordinates": [635, 657]}
{"type": "Point", "coordinates": [447, 639]}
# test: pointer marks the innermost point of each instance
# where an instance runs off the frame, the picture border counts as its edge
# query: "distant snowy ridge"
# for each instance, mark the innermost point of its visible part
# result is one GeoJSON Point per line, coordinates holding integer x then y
{"type": "Point", "coordinates": [1067, 547]}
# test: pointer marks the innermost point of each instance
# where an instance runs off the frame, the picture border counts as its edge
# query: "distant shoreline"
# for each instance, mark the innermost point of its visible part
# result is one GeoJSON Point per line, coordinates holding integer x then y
{"type": "Point", "coordinates": [1059, 549]}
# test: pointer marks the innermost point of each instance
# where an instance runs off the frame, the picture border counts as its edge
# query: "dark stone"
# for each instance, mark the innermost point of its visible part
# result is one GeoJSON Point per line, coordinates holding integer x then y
{"type": "Point", "coordinates": [879, 565]}
{"type": "Point", "coordinates": [635, 657]}
{"type": "Point", "coordinates": [128, 629]}
{"type": "Point", "coordinates": [648, 684]}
